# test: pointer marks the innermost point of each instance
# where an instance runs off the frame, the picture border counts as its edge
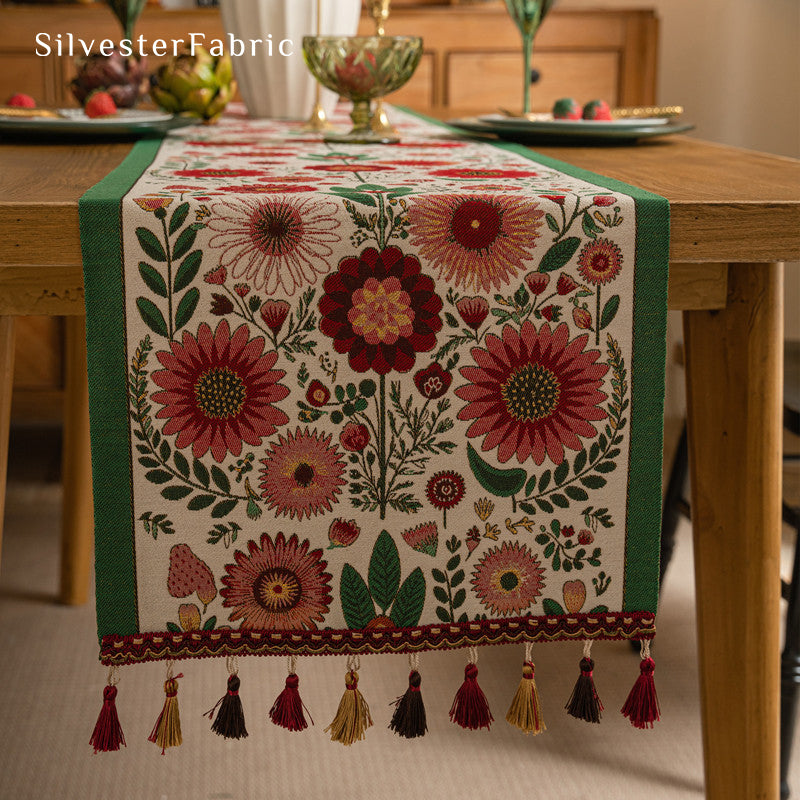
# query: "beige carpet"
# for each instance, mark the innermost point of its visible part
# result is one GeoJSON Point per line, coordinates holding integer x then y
{"type": "Point", "coordinates": [50, 694]}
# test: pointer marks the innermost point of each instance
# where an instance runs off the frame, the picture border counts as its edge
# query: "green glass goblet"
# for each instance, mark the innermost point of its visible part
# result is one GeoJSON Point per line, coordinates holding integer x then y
{"type": "Point", "coordinates": [362, 68]}
{"type": "Point", "coordinates": [528, 15]}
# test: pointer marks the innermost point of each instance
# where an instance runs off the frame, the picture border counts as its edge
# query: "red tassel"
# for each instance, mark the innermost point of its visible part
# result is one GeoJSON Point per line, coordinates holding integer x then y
{"type": "Point", "coordinates": [642, 707]}
{"type": "Point", "coordinates": [287, 710]}
{"type": "Point", "coordinates": [107, 735]}
{"type": "Point", "coordinates": [470, 707]}
{"type": "Point", "coordinates": [584, 702]}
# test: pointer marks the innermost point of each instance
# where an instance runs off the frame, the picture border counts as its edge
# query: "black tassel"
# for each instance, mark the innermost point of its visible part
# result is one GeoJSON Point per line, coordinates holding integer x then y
{"type": "Point", "coordinates": [409, 718]}
{"type": "Point", "coordinates": [229, 722]}
{"type": "Point", "coordinates": [584, 702]}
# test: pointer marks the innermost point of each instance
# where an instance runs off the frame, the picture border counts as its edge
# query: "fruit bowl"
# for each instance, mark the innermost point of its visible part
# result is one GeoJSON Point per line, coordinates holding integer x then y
{"type": "Point", "coordinates": [362, 68]}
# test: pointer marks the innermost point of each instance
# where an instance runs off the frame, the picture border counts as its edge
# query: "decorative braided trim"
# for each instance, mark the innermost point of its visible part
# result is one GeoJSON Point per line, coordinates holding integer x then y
{"type": "Point", "coordinates": [198, 644]}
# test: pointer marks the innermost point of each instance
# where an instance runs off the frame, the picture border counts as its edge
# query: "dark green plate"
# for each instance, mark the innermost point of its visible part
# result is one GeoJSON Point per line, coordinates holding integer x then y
{"type": "Point", "coordinates": [74, 124]}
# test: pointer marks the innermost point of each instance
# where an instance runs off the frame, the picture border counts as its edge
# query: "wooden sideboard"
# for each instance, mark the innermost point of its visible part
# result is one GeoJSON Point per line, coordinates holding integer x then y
{"type": "Point", "coordinates": [472, 62]}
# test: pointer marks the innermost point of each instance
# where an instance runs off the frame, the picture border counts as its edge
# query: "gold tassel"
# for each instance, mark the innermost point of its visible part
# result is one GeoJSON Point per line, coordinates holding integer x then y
{"type": "Point", "coordinates": [525, 711]}
{"type": "Point", "coordinates": [352, 718]}
{"type": "Point", "coordinates": [167, 730]}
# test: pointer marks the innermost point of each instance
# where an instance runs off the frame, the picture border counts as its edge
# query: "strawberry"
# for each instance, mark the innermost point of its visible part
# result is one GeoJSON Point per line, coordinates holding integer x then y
{"type": "Point", "coordinates": [21, 101]}
{"type": "Point", "coordinates": [597, 110]}
{"type": "Point", "coordinates": [566, 108]}
{"type": "Point", "coordinates": [100, 104]}
{"type": "Point", "coordinates": [188, 573]}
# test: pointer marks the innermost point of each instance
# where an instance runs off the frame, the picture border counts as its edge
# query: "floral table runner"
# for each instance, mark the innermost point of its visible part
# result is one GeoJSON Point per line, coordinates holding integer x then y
{"type": "Point", "coordinates": [352, 399]}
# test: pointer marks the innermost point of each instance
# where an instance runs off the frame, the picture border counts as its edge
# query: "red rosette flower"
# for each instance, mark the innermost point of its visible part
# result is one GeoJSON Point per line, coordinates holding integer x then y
{"type": "Point", "coordinates": [565, 284]}
{"type": "Point", "coordinates": [604, 200]}
{"type": "Point", "coordinates": [218, 391]}
{"type": "Point", "coordinates": [342, 533]}
{"type": "Point", "coordinates": [381, 310]}
{"type": "Point", "coordinates": [533, 393]}
{"type": "Point", "coordinates": [354, 437]}
{"type": "Point", "coordinates": [220, 305]}
{"type": "Point", "coordinates": [432, 382]}
{"type": "Point", "coordinates": [537, 281]}
{"type": "Point", "coordinates": [445, 490]}
{"type": "Point", "coordinates": [317, 394]}
{"type": "Point", "coordinates": [599, 262]}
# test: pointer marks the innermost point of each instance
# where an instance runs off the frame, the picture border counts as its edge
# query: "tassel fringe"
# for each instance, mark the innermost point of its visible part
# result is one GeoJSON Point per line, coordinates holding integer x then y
{"type": "Point", "coordinates": [107, 735]}
{"type": "Point", "coordinates": [229, 722]}
{"type": "Point", "coordinates": [352, 718]}
{"type": "Point", "coordinates": [525, 711]}
{"type": "Point", "coordinates": [584, 702]}
{"type": "Point", "coordinates": [409, 719]}
{"type": "Point", "coordinates": [287, 710]}
{"type": "Point", "coordinates": [470, 707]}
{"type": "Point", "coordinates": [642, 707]}
{"type": "Point", "coordinates": [167, 730]}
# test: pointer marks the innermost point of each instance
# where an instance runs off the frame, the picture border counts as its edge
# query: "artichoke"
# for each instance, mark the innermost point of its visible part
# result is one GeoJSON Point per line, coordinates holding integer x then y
{"type": "Point", "coordinates": [198, 85]}
{"type": "Point", "coordinates": [125, 79]}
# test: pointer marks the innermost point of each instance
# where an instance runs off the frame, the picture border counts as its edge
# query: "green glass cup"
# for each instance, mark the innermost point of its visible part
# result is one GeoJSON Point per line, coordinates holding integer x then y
{"type": "Point", "coordinates": [362, 68]}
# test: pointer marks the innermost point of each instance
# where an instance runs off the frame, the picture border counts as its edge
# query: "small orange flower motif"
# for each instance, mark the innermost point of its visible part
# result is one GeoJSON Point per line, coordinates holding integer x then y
{"type": "Point", "coordinates": [574, 596]}
{"type": "Point", "coordinates": [189, 617]}
{"type": "Point", "coordinates": [152, 203]}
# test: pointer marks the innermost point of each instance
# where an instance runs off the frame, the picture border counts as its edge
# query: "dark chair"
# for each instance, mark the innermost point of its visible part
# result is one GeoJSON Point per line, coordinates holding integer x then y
{"type": "Point", "coordinates": [675, 505]}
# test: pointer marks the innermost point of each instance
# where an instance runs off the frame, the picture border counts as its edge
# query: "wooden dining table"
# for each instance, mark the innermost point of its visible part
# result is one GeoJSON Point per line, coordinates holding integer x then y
{"type": "Point", "coordinates": [735, 215]}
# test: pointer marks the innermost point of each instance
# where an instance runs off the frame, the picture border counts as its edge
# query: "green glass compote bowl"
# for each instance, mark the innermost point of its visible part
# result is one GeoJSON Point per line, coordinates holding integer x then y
{"type": "Point", "coordinates": [362, 68]}
{"type": "Point", "coordinates": [528, 16]}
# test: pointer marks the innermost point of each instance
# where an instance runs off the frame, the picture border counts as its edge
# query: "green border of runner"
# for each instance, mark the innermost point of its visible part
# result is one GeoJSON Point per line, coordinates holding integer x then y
{"type": "Point", "coordinates": [640, 592]}
{"type": "Point", "coordinates": [101, 245]}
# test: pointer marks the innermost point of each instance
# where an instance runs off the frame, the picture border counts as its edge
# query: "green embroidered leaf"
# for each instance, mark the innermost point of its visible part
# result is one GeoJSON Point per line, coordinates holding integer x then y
{"type": "Point", "coordinates": [557, 562]}
{"type": "Point", "coordinates": [528, 508]}
{"type": "Point", "coordinates": [439, 576]}
{"type": "Point", "coordinates": [223, 508]}
{"type": "Point", "coordinates": [356, 603]}
{"type": "Point", "coordinates": [548, 551]}
{"type": "Point", "coordinates": [209, 624]}
{"type": "Point", "coordinates": [186, 307]}
{"type": "Point", "coordinates": [171, 626]}
{"type": "Point", "coordinates": [356, 197]}
{"type": "Point", "coordinates": [408, 604]}
{"type": "Point", "coordinates": [561, 472]}
{"type": "Point", "coordinates": [551, 223]}
{"type": "Point", "coordinates": [200, 501]}
{"type": "Point", "coordinates": [593, 481]}
{"type": "Point", "coordinates": [542, 539]}
{"type": "Point", "coordinates": [221, 479]}
{"type": "Point", "coordinates": [453, 563]}
{"type": "Point", "coordinates": [181, 464]}
{"type": "Point", "coordinates": [152, 277]}
{"type": "Point", "coordinates": [384, 571]}
{"type": "Point", "coordinates": [551, 607]}
{"type": "Point", "coordinates": [575, 493]}
{"type": "Point", "coordinates": [459, 597]}
{"type": "Point", "coordinates": [559, 254]}
{"type": "Point", "coordinates": [149, 462]}
{"type": "Point", "coordinates": [440, 594]}
{"type": "Point", "coordinates": [559, 500]}
{"type": "Point", "coordinates": [544, 505]}
{"type": "Point", "coordinates": [580, 461]}
{"type": "Point", "coordinates": [150, 244]}
{"type": "Point", "coordinates": [605, 466]}
{"type": "Point", "coordinates": [176, 492]}
{"type": "Point", "coordinates": [530, 486]}
{"type": "Point", "coordinates": [367, 387]}
{"type": "Point", "coordinates": [184, 243]}
{"type": "Point", "coordinates": [200, 472]}
{"type": "Point", "coordinates": [151, 316]}
{"type": "Point", "coordinates": [590, 227]}
{"type": "Point", "coordinates": [500, 482]}
{"type": "Point", "coordinates": [457, 578]}
{"type": "Point", "coordinates": [443, 614]}
{"type": "Point", "coordinates": [165, 450]}
{"type": "Point", "coordinates": [609, 311]}
{"type": "Point", "coordinates": [188, 270]}
{"type": "Point", "coordinates": [178, 217]}
{"type": "Point", "coordinates": [567, 565]}
{"type": "Point", "coordinates": [594, 451]}
{"type": "Point", "coordinates": [158, 476]}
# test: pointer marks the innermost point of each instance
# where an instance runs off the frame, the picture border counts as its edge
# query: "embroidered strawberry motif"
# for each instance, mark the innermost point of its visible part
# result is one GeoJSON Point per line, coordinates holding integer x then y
{"type": "Point", "coordinates": [188, 573]}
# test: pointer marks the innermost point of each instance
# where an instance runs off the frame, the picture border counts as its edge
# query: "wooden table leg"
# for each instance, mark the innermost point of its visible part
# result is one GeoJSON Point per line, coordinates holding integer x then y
{"type": "Point", "coordinates": [6, 387]}
{"type": "Point", "coordinates": [77, 512]}
{"type": "Point", "coordinates": [734, 384]}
